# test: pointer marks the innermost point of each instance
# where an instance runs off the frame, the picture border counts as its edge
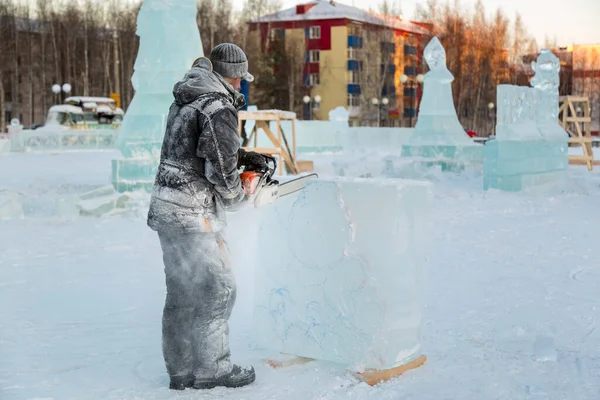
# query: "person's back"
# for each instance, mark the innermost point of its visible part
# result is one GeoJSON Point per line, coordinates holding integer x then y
{"type": "Point", "coordinates": [196, 182]}
{"type": "Point", "coordinates": [184, 199]}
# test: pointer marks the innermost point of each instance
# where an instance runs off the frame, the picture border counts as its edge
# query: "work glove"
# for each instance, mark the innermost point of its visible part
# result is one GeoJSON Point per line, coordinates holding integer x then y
{"type": "Point", "coordinates": [253, 161]}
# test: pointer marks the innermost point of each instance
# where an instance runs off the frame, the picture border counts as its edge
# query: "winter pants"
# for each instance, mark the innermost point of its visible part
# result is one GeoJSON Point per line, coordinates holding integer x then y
{"type": "Point", "coordinates": [201, 292]}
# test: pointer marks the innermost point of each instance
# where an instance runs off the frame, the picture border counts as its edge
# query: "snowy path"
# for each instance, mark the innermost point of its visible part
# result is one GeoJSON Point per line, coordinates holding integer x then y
{"type": "Point", "coordinates": [81, 303]}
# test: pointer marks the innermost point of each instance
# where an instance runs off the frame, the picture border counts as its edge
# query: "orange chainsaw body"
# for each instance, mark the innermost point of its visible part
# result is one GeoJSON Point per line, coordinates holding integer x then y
{"type": "Point", "coordinates": [250, 181]}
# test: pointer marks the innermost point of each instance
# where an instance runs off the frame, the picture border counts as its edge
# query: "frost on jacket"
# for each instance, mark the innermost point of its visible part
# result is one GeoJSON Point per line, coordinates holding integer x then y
{"type": "Point", "coordinates": [197, 178]}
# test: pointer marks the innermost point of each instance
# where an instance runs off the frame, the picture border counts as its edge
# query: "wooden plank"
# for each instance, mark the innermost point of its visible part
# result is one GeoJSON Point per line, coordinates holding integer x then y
{"type": "Point", "coordinates": [578, 119]}
{"type": "Point", "coordinates": [373, 376]}
{"type": "Point", "coordinates": [576, 99]}
{"type": "Point", "coordinates": [583, 162]}
{"type": "Point", "coordinates": [581, 140]}
{"type": "Point", "coordinates": [275, 141]}
{"type": "Point", "coordinates": [266, 115]}
{"type": "Point", "coordinates": [581, 158]}
{"type": "Point", "coordinates": [285, 360]}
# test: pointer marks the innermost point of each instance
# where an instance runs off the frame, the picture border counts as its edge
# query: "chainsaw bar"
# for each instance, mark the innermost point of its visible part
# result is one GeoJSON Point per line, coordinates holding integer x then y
{"type": "Point", "coordinates": [272, 191]}
{"type": "Point", "coordinates": [294, 185]}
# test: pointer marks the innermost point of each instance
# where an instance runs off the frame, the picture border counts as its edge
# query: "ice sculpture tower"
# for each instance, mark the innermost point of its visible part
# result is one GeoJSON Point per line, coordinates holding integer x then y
{"type": "Point", "coordinates": [169, 43]}
{"type": "Point", "coordinates": [545, 83]}
{"type": "Point", "coordinates": [438, 133]}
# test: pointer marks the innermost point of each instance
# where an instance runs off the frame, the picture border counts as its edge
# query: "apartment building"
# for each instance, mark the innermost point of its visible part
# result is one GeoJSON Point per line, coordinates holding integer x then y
{"type": "Point", "coordinates": [354, 59]}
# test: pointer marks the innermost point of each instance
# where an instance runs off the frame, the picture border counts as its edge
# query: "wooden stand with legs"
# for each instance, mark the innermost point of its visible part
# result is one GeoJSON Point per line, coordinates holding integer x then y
{"type": "Point", "coordinates": [281, 147]}
{"type": "Point", "coordinates": [575, 118]}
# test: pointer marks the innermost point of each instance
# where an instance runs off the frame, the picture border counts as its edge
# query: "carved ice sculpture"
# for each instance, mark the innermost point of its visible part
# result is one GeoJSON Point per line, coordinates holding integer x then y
{"type": "Point", "coordinates": [546, 82]}
{"type": "Point", "coordinates": [438, 132]}
{"type": "Point", "coordinates": [530, 146]}
{"type": "Point", "coordinates": [169, 43]}
{"type": "Point", "coordinates": [338, 274]}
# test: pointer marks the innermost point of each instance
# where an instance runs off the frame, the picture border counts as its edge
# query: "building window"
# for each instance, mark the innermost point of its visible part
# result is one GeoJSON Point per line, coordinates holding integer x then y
{"type": "Point", "coordinates": [353, 77]}
{"type": "Point", "coordinates": [277, 34]}
{"type": "Point", "coordinates": [313, 80]}
{"type": "Point", "coordinates": [315, 105]}
{"type": "Point", "coordinates": [353, 100]}
{"type": "Point", "coordinates": [313, 56]}
{"type": "Point", "coordinates": [353, 53]}
{"type": "Point", "coordinates": [315, 32]}
{"type": "Point", "coordinates": [354, 30]}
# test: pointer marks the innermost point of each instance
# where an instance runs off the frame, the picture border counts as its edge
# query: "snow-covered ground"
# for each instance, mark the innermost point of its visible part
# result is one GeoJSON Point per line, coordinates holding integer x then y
{"type": "Point", "coordinates": [81, 299]}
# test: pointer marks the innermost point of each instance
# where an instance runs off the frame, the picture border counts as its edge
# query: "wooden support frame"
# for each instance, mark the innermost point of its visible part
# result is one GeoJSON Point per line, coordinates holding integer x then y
{"type": "Point", "coordinates": [281, 147]}
{"type": "Point", "coordinates": [578, 127]}
{"type": "Point", "coordinates": [369, 376]}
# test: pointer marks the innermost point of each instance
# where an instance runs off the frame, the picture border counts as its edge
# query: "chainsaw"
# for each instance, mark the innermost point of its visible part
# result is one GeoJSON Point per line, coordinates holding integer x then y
{"type": "Point", "coordinates": [262, 189]}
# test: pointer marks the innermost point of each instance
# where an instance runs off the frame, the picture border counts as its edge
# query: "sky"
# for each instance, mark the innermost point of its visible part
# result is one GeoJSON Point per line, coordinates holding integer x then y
{"type": "Point", "coordinates": [570, 21]}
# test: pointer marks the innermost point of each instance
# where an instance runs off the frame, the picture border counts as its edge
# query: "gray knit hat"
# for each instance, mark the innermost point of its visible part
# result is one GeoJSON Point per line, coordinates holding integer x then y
{"type": "Point", "coordinates": [230, 61]}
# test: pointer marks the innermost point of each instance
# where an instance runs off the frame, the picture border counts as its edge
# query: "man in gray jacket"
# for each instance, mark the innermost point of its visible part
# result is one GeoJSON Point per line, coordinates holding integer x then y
{"type": "Point", "coordinates": [196, 183]}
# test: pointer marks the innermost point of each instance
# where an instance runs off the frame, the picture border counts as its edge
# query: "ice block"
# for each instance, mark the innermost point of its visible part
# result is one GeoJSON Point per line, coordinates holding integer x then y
{"type": "Point", "coordinates": [339, 272]}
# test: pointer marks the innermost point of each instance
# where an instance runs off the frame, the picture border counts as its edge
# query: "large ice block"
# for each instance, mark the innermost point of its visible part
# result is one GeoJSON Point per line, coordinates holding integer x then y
{"type": "Point", "coordinates": [530, 148]}
{"type": "Point", "coordinates": [438, 133]}
{"type": "Point", "coordinates": [339, 271]}
{"type": "Point", "coordinates": [169, 43]}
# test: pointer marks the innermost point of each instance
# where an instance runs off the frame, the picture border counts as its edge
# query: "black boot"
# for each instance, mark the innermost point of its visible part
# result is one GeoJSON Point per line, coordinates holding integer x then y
{"type": "Point", "coordinates": [239, 376]}
{"type": "Point", "coordinates": [181, 383]}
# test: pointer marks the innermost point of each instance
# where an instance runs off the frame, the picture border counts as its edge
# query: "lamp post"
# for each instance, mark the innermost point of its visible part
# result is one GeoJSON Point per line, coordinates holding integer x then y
{"type": "Point", "coordinates": [379, 104]}
{"type": "Point", "coordinates": [491, 106]}
{"type": "Point", "coordinates": [420, 78]}
{"type": "Point", "coordinates": [56, 89]}
{"type": "Point", "coordinates": [310, 103]}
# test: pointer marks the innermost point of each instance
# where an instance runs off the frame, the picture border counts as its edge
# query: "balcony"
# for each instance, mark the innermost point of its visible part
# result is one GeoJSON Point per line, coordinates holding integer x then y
{"type": "Point", "coordinates": [410, 50]}
{"type": "Point", "coordinates": [388, 47]}
{"type": "Point", "coordinates": [354, 65]}
{"type": "Point", "coordinates": [410, 92]}
{"type": "Point", "coordinates": [409, 112]}
{"type": "Point", "coordinates": [410, 71]}
{"type": "Point", "coordinates": [353, 88]}
{"type": "Point", "coordinates": [355, 41]}
{"type": "Point", "coordinates": [388, 91]}
{"type": "Point", "coordinates": [388, 69]}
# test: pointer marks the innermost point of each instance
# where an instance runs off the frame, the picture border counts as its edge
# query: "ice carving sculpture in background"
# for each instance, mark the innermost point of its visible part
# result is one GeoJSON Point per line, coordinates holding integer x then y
{"type": "Point", "coordinates": [531, 148]}
{"type": "Point", "coordinates": [438, 133]}
{"type": "Point", "coordinates": [169, 43]}
{"type": "Point", "coordinates": [338, 279]}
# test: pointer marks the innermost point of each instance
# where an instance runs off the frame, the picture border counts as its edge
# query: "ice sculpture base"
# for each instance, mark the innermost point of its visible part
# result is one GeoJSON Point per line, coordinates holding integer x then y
{"type": "Point", "coordinates": [449, 157]}
{"type": "Point", "coordinates": [516, 165]}
{"type": "Point", "coordinates": [132, 174]}
{"type": "Point", "coordinates": [338, 272]}
{"type": "Point", "coordinates": [49, 139]}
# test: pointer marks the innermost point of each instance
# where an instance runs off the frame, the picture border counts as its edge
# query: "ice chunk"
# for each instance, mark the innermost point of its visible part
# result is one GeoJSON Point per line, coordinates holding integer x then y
{"type": "Point", "coordinates": [544, 349]}
{"type": "Point", "coordinates": [338, 272]}
{"type": "Point", "coordinates": [339, 114]}
{"type": "Point", "coordinates": [162, 60]}
{"type": "Point", "coordinates": [438, 132]}
{"type": "Point", "coordinates": [11, 205]}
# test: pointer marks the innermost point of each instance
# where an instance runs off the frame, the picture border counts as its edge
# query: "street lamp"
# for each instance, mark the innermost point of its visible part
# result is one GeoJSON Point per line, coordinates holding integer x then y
{"type": "Point", "coordinates": [308, 110]}
{"type": "Point", "coordinates": [384, 102]}
{"type": "Point", "coordinates": [56, 89]}
{"type": "Point", "coordinates": [491, 106]}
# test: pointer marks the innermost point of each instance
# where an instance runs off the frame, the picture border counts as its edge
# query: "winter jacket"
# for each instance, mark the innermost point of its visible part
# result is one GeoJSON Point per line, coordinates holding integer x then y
{"type": "Point", "coordinates": [197, 178]}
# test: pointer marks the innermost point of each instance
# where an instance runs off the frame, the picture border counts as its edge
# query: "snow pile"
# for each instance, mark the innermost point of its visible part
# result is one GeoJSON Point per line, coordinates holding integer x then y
{"type": "Point", "coordinates": [510, 302]}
